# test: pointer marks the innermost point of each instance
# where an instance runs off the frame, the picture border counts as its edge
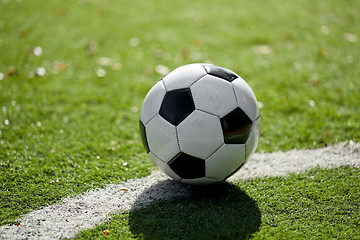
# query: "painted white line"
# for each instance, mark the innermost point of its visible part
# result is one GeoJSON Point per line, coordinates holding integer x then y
{"type": "Point", "coordinates": [66, 219]}
{"type": "Point", "coordinates": [296, 161]}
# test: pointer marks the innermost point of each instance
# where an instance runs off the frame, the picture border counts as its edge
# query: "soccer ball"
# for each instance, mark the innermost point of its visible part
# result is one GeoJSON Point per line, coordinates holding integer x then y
{"type": "Point", "coordinates": [200, 123]}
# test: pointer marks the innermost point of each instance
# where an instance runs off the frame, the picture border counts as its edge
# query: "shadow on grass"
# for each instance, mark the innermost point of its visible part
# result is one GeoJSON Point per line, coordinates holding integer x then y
{"type": "Point", "coordinates": [221, 211]}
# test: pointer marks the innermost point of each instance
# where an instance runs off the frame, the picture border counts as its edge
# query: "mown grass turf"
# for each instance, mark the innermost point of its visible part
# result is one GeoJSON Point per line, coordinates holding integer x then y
{"type": "Point", "coordinates": [318, 204]}
{"type": "Point", "coordinates": [73, 128]}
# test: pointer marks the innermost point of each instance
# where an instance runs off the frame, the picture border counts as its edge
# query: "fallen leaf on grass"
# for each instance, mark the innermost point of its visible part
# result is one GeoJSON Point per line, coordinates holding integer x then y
{"type": "Point", "coordinates": [263, 49]}
{"type": "Point", "coordinates": [12, 71]}
{"type": "Point", "coordinates": [321, 52]}
{"type": "Point", "coordinates": [37, 51]}
{"type": "Point", "coordinates": [106, 232]}
{"type": "Point", "coordinates": [350, 37]}
{"type": "Point", "coordinates": [161, 69]}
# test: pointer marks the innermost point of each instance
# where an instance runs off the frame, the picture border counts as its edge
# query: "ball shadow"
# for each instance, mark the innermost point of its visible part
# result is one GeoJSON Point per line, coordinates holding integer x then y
{"type": "Point", "coordinates": [221, 211]}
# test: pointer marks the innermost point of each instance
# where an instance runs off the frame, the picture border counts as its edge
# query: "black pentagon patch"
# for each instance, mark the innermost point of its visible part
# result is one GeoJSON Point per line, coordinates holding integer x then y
{"type": "Point", "coordinates": [187, 166]}
{"type": "Point", "coordinates": [143, 136]}
{"type": "Point", "coordinates": [177, 105]}
{"type": "Point", "coordinates": [236, 127]}
{"type": "Point", "coordinates": [220, 72]}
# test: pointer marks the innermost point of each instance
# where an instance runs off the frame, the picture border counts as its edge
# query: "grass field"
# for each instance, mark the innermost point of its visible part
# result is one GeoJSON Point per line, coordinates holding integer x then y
{"type": "Point", "coordinates": [282, 208]}
{"type": "Point", "coordinates": [73, 75]}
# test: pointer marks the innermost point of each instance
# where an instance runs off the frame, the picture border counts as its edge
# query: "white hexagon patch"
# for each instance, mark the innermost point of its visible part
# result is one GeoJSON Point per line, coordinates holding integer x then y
{"type": "Point", "coordinates": [225, 161]}
{"type": "Point", "coordinates": [152, 102]}
{"type": "Point", "coordinates": [200, 134]}
{"type": "Point", "coordinates": [183, 76]}
{"type": "Point", "coordinates": [162, 138]}
{"type": "Point", "coordinates": [246, 98]}
{"type": "Point", "coordinates": [214, 95]}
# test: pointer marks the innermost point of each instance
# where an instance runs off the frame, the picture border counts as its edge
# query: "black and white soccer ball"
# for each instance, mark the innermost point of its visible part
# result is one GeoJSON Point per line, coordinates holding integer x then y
{"type": "Point", "coordinates": [200, 123]}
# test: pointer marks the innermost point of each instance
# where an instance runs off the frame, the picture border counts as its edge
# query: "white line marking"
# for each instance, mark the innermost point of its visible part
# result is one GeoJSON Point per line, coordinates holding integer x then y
{"type": "Point", "coordinates": [296, 161]}
{"type": "Point", "coordinates": [66, 219]}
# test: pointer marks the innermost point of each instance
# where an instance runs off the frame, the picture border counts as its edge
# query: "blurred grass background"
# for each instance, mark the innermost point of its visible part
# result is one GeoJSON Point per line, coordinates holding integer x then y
{"type": "Point", "coordinates": [73, 75]}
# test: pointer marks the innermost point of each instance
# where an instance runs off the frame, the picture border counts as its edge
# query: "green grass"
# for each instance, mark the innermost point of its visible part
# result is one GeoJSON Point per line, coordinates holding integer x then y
{"type": "Point", "coordinates": [319, 204]}
{"type": "Point", "coordinates": [70, 130]}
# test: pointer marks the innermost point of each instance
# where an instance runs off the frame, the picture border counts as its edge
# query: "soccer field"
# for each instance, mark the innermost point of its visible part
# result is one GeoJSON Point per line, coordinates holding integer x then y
{"type": "Point", "coordinates": [73, 76]}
